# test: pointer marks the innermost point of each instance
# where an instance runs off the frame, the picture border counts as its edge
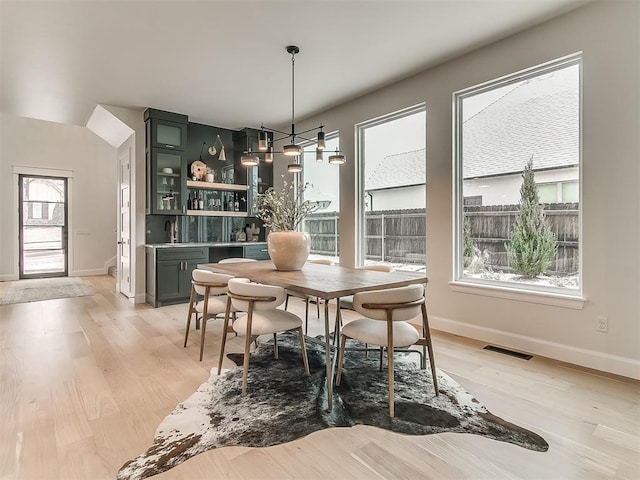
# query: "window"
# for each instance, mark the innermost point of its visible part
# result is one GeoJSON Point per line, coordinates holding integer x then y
{"type": "Point", "coordinates": [561, 192]}
{"type": "Point", "coordinates": [392, 170]}
{"type": "Point", "coordinates": [529, 118]}
{"type": "Point", "coordinates": [324, 189]}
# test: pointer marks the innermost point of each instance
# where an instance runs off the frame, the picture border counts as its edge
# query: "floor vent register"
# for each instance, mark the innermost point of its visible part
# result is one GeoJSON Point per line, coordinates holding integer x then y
{"type": "Point", "coordinates": [504, 351]}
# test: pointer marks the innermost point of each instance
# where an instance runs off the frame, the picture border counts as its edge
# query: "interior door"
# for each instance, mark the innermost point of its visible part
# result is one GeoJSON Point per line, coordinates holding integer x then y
{"type": "Point", "coordinates": [43, 231]}
{"type": "Point", "coordinates": [124, 224]}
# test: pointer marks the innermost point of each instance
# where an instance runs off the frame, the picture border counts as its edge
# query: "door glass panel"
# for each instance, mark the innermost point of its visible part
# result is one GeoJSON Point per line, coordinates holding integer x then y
{"type": "Point", "coordinates": [168, 135]}
{"type": "Point", "coordinates": [43, 227]}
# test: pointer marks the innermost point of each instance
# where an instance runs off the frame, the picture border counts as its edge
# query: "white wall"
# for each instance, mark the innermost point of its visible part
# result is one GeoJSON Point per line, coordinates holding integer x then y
{"type": "Point", "coordinates": [607, 33]}
{"type": "Point", "coordinates": [29, 143]}
{"type": "Point", "coordinates": [398, 198]}
{"type": "Point", "coordinates": [505, 190]}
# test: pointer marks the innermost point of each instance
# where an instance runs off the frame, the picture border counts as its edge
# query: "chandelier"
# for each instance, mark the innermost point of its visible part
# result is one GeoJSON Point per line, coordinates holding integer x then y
{"type": "Point", "coordinates": [267, 137]}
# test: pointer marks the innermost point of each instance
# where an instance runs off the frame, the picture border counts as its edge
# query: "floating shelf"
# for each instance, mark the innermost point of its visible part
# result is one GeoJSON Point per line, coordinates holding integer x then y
{"type": "Point", "coordinates": [231, 187]}
{"type": "Point", "coordinates": [216, 213]}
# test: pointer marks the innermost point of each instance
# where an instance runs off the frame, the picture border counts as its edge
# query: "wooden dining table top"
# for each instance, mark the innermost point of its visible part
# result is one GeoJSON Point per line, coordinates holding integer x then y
{"type": "Point", "coordinates": [324, 281]}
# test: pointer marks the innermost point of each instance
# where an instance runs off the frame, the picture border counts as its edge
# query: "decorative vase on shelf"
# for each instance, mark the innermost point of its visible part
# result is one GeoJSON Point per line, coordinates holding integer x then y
{"type": "Point", "coordinates": [288, 250]}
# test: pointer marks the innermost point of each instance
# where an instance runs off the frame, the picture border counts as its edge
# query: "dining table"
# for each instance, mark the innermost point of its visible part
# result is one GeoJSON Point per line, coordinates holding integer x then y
{"type": "Point", "coordinates": [328, 282]}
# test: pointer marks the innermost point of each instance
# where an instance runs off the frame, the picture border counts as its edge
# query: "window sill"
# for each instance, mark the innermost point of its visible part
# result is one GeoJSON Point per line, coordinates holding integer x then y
{"type": "Point", "coordinates": [574, 302]}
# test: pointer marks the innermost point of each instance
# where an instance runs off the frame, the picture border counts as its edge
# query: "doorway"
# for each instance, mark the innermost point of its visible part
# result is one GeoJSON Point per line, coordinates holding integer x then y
{"type": "Point", "coordinates": [43, 230]}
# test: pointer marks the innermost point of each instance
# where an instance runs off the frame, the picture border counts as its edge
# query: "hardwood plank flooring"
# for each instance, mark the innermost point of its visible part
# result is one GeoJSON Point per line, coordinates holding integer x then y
{"type": "Point", "coordinates": [85, 381]}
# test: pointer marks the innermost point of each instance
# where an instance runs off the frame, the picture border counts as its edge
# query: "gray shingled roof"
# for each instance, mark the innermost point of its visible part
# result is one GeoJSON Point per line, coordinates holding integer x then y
{"type": "Point", "coordinates": [539, 117]}
{"type": "Point", "coordinates": [399, 170]}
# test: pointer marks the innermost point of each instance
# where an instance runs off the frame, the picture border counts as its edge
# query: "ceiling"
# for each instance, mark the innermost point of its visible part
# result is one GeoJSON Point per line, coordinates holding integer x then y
{"type": "Point", "coordinates": [224, 63]}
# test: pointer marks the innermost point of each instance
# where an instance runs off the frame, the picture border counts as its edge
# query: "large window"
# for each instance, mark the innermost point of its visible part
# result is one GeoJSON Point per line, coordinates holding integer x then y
{"type": "Point", "coordinates": [517, 164]}
{"type": "Point", "coordinates": [392, 170]}
{"type": "Point", "coordinates": [324, 190]}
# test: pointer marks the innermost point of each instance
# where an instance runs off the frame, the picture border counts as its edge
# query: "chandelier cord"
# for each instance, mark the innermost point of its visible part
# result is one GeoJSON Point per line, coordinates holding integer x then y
{"type": "Point", "coordinates": [293, 96]}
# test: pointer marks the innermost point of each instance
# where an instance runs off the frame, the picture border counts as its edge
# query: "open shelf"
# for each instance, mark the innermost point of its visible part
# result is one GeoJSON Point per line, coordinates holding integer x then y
{"type": "Point", "coordinates": [232, 187]}
{"type": "Point", "coordinates": [216, 213]}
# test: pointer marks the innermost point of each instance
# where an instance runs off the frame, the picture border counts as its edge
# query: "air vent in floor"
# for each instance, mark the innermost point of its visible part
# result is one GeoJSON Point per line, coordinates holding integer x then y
{"type": "Point", "coordinates": [504, 351]}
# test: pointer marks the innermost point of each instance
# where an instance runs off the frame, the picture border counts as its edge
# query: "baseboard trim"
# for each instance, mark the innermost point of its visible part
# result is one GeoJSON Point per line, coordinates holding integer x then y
{"type": "Point", "coordinates": [140, 298]}
{"type": "Point", "coordinates": [88, 273]}
{"type": "Point", "coordinates": [605, 362]}
{"type": "Point", "coordinates": [9, 278]}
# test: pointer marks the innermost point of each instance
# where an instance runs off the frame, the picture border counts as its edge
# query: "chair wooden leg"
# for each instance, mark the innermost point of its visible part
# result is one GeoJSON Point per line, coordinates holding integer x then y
{"type": "Point", "coordinates": [381, 355]}
{"type": "Point", "coordinates": [191, 310]}
{"type": "Point", "coordinates": [306, 313]}
{"type": "Point", "coordinates": [303, 348]}
{"type": "Point", "coordinates": [390, 361]}
{"type": "Point", "coordinates": [247, 348]}
{"type": "Point", "coordinates": [343, 342]}
{"type": "Point", "coordinates": [275, 346]}
{"type": "Point", "coordinates": [432, 360]}
{"type": "Point", "coordinates": [318, 306]}
{"type": "Point", "coordinates": [225, 329]}
{"type": "Point", "coordinates": [205, 314]}
{"type": "Point", "coordinates": [286, 301]}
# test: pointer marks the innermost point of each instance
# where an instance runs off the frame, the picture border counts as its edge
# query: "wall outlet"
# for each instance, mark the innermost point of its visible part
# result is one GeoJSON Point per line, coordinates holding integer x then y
{"type": "Point", "coordinates": [602, 324]}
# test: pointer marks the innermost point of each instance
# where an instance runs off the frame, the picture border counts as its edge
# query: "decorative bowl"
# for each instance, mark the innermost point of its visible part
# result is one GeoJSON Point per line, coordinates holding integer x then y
{"type": "Point", "coordinates": [167, 170]}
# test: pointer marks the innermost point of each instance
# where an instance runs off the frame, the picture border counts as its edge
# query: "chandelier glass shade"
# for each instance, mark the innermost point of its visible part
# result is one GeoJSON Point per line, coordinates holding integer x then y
{"type": "Point", "coordinates": [267, 137]}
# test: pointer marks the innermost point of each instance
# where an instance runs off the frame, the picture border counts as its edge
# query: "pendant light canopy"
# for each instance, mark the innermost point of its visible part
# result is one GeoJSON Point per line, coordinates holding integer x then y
{"type": "Point", "coordinates": [266, 137]}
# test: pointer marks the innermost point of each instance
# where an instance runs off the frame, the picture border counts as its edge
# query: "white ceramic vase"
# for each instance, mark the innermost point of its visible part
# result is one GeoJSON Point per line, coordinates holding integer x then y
{"type": "Point", "coordinates": [288, 250]}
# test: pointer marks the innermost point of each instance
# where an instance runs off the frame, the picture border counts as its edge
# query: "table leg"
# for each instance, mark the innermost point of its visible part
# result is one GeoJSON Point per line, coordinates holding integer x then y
{"type": "Point", "coordinates": [327, 356]}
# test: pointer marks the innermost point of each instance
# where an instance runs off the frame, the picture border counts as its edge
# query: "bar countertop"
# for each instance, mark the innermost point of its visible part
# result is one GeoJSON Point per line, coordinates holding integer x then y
{"type": "Point", "coordinates": [202, 244]}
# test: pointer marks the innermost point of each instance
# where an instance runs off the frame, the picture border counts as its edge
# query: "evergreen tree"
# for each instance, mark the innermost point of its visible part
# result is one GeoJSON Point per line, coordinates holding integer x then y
{"type": "Point", "coordinates": [467, 247]}
{"type": "Point", "coordinates": [532, 246]}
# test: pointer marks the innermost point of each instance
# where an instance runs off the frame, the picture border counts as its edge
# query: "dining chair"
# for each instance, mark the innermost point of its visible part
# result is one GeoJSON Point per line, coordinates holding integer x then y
{"type": "Point", "coordinates": [387, 313]}
{"type": "Point", "coordinates": [308, 298]}
{"type": "Point", "coordinates": [207, 300]}
{"type": "Point", "coordinates": [236, 260]}
{"type": "Point", "coordinates": [263, 317]}
{"type": "Point", "coordinates": [347, 302]}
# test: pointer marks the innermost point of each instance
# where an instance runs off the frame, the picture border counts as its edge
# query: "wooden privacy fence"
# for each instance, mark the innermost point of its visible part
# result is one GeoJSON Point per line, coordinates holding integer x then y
{"type": "Point", "coordinates": [399, 236]}
{"type": "Point", "coordinates": [491, 225]}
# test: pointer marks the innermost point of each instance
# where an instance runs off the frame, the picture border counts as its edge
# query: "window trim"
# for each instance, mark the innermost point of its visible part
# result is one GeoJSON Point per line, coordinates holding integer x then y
{"type": "Point", "coordinates": [359, 130]}
{"type": "Point", "coordinates": [511, 290]}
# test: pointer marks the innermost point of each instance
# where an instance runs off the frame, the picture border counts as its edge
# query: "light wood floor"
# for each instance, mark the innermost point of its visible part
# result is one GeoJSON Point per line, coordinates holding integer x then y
{"type": "Point", "coordinates": [85, 381]}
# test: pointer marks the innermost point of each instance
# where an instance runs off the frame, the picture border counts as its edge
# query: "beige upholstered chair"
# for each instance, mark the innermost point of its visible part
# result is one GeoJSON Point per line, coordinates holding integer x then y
{"type": "Point", "coordinates": [237, 260]}
{"type": "Point", "coordinates": [308, 298]}
{"type": "Point", "coordinates": [347, 302]}
{"type": "Point", "coordinates": [261, 303]}
{"type": "Point", "coordinates": [387, 313]}
{"type": "Point", "coordinates": [207, 300]}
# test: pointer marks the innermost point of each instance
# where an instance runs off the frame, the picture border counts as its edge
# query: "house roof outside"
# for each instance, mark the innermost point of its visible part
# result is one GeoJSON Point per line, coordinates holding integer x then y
{"type": "Point", "coordinates": [399, 170]}
{"type": "Point", "coordinates": [539, 117]}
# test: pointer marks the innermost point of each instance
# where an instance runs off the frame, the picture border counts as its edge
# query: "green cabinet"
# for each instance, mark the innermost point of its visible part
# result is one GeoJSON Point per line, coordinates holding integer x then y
{"type": "Point", "coordinates": [169, 273]}
{"type": "Point", "coordinates": [166, 129]}
{"type": "Point", "coordinates": [256, 251]}
{"type": "Point", "coordinates": [166, 181]}
{"type": "Point", "coordinates": [165, 145]}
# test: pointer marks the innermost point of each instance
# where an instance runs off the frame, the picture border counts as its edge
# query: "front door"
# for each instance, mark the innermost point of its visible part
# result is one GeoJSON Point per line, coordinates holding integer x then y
{"type": "Point", "coordinates": [43, 231]}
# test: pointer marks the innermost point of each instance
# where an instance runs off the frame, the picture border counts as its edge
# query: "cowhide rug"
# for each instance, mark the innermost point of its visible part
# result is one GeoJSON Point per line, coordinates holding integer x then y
{"type": "Point", "coordinates": [282, 404]}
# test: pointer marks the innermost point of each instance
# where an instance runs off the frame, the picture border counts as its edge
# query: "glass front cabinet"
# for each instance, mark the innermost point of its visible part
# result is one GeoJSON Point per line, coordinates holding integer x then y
{"type": "Point", "coordinates": [166, 130]}
{"type": "Point", "coordinates": [166, 182]}
{"type": "Point", "coordinates": [165, 144]}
